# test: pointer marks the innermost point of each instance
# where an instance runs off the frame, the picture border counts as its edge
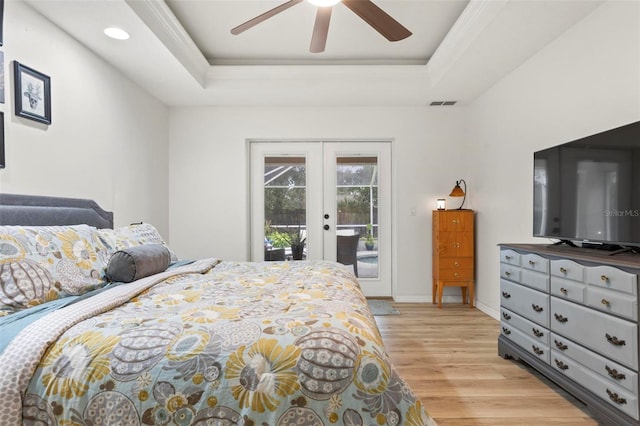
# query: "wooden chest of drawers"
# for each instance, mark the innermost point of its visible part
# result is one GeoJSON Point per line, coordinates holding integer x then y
{"type": "Point", "coordinates": [453, 253]}
{"type": "Point", "coordinates": [573, 316]}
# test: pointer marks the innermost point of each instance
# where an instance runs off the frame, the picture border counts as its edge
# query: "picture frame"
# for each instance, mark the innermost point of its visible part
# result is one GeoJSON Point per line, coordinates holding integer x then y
{"type": "Point", "coordinates": [32, 91]}
{"type": "Point", "coordinates": [1, 20]}
{"type": "Point", "coordinates": [1, 77]}
{"type": "Point", "coordinates": [2, 158]}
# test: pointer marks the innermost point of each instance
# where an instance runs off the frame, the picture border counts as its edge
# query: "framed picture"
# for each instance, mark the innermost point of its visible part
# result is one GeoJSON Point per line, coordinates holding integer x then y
{"type": "Point", "coordinates": [1, 19]}
{"type": "Point", "coordinates": [1, 77]}
{"type": "Point", "coordinates": [32, 93]}
{"type": "Point", "coordinates": [2, 162]}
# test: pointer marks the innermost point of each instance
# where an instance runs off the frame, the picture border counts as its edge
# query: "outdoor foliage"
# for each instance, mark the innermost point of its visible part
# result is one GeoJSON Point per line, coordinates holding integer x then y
{"type": "Point", "coordinates": [285, 199]}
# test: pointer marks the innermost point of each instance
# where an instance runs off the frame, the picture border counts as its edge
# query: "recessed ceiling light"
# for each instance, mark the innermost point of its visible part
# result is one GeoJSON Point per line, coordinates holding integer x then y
{"type": "Point", "coordinates": [116, 33]}
{"type": "Point", "coordinates": [324, 3]}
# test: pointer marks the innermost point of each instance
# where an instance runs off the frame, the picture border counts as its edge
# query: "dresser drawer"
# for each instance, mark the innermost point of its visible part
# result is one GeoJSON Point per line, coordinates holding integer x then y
{"type": "Point", "coordinates": [456, 262]}
{"type": "Point", "coordinates": [535, 262]}
{"type": "Point", "coordinates": [569, 290]}
{"type": "Point", "coordinates": [510, 272]}
{"type": "Point", "coordinates": [612, 337]}
{"type": "Point", "coordinates": [577, 312]}
{"type": "Point", "coordinates": [510, 319]}
{"type": "Point", "coordinates": [615, 373]}
{"type": "Point", "coordinates": [530, 344]}
{"type": "Point", "coordinates": [612, 278]}
{"type": "Point", "coordinates": [510, 257]}
{"type": "Point", "coordinates": [455, 275]}
{"type": "Point", "coordinates": [613, 302]}
{"type": "Point", "coordinates": [617, 396]}
{"type": "Point", "coordinates": [536, 280]}
{"type": "Point", "coordinates": [568, 269]}
{"type": "Point", "coordinates": [524, 301]}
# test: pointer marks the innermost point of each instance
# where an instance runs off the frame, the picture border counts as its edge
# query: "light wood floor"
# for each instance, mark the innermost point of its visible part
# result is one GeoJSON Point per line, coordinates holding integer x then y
{"type": "Point", "coordinates": [449, 357]}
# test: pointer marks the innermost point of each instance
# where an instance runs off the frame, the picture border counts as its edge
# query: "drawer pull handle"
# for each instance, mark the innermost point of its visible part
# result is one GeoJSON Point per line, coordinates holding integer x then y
{"type": "Point", "coordinates": [507, 273]}
{"type": "Point", "coordinates": [537, 332]}
{"type": "Point", "coordinates": [456, 264]}
{"type": "Point", "coordinates": [456, 275]}
{"type": "Point", "coordinates": [615, 398]}
{"type": "Point", "coordinates": [563, 270]}
{"type": "Point", "coordinates": [561, 365]}
{"type": "Point", "coordinates": [506, 295]}
{"type": "Point", "coordinates": [508, 257]}
{"type": "Point", "coordinates": [605, 302]}
{"type": "Point", "coordinates": [563, 290]}
{"type": "Point", "coordinates": [537, 308]}
{"type": "Point", "coordinates": [506, 331]}
{"type": "Point", "coordinates": [561, 318]}
{"type": "Point", "coordinates": [560, 345]}
{"type": "Point", "coordinates": [506, 316]}
{"type": "Point", "coordinates": [613, 373]}
{"type": "Point", "coordinates": [604, 278]}
{"type": "Point", "coordinates": [614, 340]}
{"type": "Point", "coordinates": [531, 262]}
{"type": "Point", "coordinates": [537, 350]}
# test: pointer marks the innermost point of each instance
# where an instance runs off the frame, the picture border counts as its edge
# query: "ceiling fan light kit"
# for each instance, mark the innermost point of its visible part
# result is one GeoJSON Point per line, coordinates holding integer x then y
{"type": "Point", "coordinates": [377, 18]}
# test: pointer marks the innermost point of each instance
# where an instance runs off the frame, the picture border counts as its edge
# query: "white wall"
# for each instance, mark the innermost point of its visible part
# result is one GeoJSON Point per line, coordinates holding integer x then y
{"type": "Point", "coordinates": [108, 140]}
{"type": "Point", "coordinates": [209, 174]}
{"type": "Point", "coordinates": [586, 81]}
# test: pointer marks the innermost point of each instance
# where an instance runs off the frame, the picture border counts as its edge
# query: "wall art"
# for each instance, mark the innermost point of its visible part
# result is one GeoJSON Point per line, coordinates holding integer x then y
{"type": "Point", "coordinates": [32, 93]}
{"type": "Point", "coordinates": [1, 77]}
{"type": "Point", "coordinates": [1, 20]}
{"type": "Point", "coordinates": [2, 160]}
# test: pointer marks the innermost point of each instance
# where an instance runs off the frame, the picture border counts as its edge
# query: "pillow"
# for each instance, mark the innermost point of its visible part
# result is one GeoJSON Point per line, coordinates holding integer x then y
{"type": "Point", "coordinates": [138, 262]}
{"type": "Point", "coordinates": [132, 236]}
{"type": "Point", "coordinates": [42, 263]}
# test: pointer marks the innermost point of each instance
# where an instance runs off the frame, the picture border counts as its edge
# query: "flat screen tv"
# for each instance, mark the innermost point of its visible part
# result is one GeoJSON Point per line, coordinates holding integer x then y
{"type": "Point", "coordinates": [588, 190]}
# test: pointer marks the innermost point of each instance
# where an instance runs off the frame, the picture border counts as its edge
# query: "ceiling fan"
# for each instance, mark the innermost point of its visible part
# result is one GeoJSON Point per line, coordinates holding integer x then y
{"type": "Point", "coordinates": [391, 29]}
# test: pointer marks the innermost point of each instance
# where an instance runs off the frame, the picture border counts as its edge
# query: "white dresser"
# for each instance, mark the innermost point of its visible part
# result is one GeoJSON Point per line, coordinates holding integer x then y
{"type": "Point", "coordinates": [572, 314]}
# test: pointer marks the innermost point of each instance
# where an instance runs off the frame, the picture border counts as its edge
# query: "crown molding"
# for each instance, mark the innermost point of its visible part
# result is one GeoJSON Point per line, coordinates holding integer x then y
{"type": "Point", "coordinates": [163, 23]}
{"type": "Point", "coordinates": [305, 72]}
{"type": "Point", "coordinates": [470, 25]}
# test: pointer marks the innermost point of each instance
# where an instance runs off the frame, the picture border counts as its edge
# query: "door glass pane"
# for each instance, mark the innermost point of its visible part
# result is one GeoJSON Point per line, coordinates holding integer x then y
{"type": "Point", "coordinates": [285, 200]}
{"type": "Point", "coordinates": [357, 214]}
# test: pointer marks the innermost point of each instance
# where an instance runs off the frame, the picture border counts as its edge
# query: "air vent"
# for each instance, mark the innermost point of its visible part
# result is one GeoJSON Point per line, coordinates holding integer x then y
{"type": "Point", "coordinates": [442, 103]}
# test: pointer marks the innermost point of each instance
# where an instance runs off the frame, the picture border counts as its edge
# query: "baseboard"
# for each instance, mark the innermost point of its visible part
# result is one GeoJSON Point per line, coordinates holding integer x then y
{"type": "Point", "coordinates": [493, 313]}
{"type": "Point", "coordinates": [412, 299]}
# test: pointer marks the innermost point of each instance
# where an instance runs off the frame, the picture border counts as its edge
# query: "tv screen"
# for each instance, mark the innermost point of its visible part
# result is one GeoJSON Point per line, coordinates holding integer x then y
{"type": "Point", "coordinates": [589, 189]}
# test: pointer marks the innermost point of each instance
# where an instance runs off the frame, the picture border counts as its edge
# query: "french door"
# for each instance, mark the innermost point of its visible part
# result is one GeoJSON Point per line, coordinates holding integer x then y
{"type": "Point", "coordinates": [333, 196]}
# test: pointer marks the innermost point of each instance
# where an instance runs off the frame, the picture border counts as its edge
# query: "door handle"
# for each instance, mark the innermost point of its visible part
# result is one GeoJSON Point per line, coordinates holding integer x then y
{"type": "Point", "coordinates": [326, 227]}
{"type": "Point", "coordinates": [326, 215]}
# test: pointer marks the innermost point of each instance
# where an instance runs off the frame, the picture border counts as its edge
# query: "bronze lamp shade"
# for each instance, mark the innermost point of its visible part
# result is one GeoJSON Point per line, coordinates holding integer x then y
{"type": "Point", "coordinates": [457, 191]}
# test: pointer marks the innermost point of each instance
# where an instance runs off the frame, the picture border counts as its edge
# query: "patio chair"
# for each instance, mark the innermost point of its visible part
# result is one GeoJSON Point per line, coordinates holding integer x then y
{"type": "Point", "coordinates": [276, 254]}
{"type": "Point", "coordinates": [347, 253]}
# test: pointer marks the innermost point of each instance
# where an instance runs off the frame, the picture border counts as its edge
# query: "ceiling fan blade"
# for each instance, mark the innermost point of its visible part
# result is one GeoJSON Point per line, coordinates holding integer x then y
{"type": "Point", "coordinates": [320, 29]}
{"type": "Point", "coordinates": [391, 29]}
{"type": "Point", "coordinates": [263, 17]}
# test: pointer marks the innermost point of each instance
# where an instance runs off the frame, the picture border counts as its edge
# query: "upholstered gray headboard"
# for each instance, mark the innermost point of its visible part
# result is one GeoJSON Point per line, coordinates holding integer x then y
{"type": "Point", "coordinates": [37, 210]}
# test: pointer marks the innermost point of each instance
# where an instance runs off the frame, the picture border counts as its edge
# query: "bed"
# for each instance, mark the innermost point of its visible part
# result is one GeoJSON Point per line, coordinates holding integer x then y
{"type": "Point", "coordinates": [103, 326]}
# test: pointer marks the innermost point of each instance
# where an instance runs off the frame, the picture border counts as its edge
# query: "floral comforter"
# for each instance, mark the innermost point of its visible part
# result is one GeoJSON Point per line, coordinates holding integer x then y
{"type": "Point", "coordinates": [228, 343]}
